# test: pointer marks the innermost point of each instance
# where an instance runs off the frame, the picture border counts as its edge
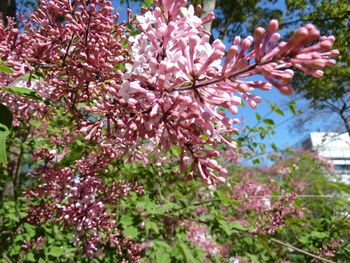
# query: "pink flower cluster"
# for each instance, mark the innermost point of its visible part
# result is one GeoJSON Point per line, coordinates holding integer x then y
{"type": "Point", "coordinates": [274, 218]}
{"type": "Point", "coordinates": [33, 243]}
{"type": "Point", "coordinates": [271, 210]}
{"type": "Point", "coordinates": [167, 86]}
{"type": "Point", "coordinates": [327, 250]}
{"type": "Point", "coordinates": [22, 109]}
{"type": "Point", "coordinates": [327, 163]}
{"type": "Point", "coordinates": [77, 199]}
{"type": "Point", "coordinates": [253, 195]}
{"type": "Point", "coordinates": [198, 235]}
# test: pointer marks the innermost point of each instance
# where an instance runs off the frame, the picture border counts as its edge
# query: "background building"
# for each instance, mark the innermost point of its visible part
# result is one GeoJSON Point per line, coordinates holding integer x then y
{"type": "Point", "coordinates": [333, 146]}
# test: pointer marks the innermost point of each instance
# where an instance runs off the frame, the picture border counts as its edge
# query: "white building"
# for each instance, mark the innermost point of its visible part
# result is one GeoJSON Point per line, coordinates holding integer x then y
{"type": "Point", "coordinates": [333, 146]}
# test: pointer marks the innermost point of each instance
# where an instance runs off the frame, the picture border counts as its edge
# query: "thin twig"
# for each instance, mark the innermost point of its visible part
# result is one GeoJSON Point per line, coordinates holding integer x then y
{"type": "Point", "coordinates": [297, 196]}
{"type": "Point", "coordinates": [17, 174]}
{"type": "Point", "coordinates": [346, 15]}
{"type": "Point", "coordinates": [6, 258]}
{"type": "Point", "coordinates": [300, 250]}
{"type": "Point", "coordinates": [232, 76]}
{"type": "Point", "coordinates": [67, 50]}
{"type": "Point", "coordinates": [87, 30]}
{"type": "Point", "coordinates": [192, 87]}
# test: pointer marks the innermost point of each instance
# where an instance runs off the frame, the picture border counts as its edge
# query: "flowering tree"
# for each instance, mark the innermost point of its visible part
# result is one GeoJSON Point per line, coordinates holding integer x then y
{"type": "Point", "coordinates": [87, 94]}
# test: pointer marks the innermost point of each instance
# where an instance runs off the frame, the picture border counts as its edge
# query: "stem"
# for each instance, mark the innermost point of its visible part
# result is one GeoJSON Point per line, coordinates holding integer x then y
{"type": "Point", "coordinates": [197, 204]}
{"type": "Point", "coordinates": [87, 31]}
{"type": "Point", "coordinates": [232, 76]}
{"type": "Point", "coordinates": [6, 258]}
{"type": "Point", "coordinates": [345, 119]}
{"type": "Point", "coordinates": [344, 16]}
{"type": "Point", "coordinates": [282, 196]}
{"type": "Point", "coordinates": [17, 175]}
{"type": "Point", "coordinates": [251, 67]}
{"type": "Point", "coordinates": [300, 250]}
{"type": "Point", "coordinates": [67, 50]}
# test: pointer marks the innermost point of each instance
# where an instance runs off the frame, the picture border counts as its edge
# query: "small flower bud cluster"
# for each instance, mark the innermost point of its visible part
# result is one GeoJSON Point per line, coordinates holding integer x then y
{"type": "Point", "coordinates": [77, 199]}
{"type": "Point", "coordinates": [274, 218]}
{"type": "Point", "coordinates": [254, 196]}
{"type": "Point", "coordinates": [258, 198]}
{"type": "Point", "coordinates": [22, 109]}
{"type": "Point", "coordinates": [327, 250]}
{"type": "Point", "coordinates": [198, 235]}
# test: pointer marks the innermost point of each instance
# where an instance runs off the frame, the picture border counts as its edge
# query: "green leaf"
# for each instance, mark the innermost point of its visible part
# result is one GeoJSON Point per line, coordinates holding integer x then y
{"type": "Point", "coordinates": [238, 226]}
{"type": "Point", "coordinates": [256, 161]}
{"type": "Point", "coordinates": [274, 147]}
{"type": "Point", "coordinates": [30, 257]}
{"type": "Point", "coordinates": [126, 220]}
{"type": "Point", "coordinates": [262, 146]}
{"type": "Point", "coordinates": [279, 112]}
{"type": "Point", "coordinates": [161, 244]}
{"type": "Point", "coordinates": [223, 197]}
{"type": "Point", "coordinates": [303, 240]}
{"type": "Point", "coordinates": [176, 150]}
{"type": "Point", "coordinates": [275, 108]}
{"type": "Point", "coordinates": [56, 251]}
{"type": "Point", "coordinates": [254, 258]}
{"type": "Point", "coordinates": [4, 132]}
{"type": "Point", "coordinates": [226, 227]}
{"type": "Point", "coordinates": [263, 241]}
{"type": "Point", "coordinates": [204, 137]}
{"type": "Point", "coordinates": [151, 225]}
{"type": "Point", "coordinates": [131, 231]}
{"type": "Point", "coordinates": [258, 117]}
{"type": "Point", "coordinates": [5, 116]}
{"type": "Point", "coordinates": [29, 229]}
{"type": "Point", "coordinates": [5, 69]}
{"type": "Point", "coordinates": [187, 253]}
{"type": "Point", "coordinates": [34, 123]}
{"type": "Point", "coordinates": [23, 92]}
{"type": "Point", "coordinates": [317, 234]}
{"type": "Point", "coordinates": [292, 107]}
{"type": "Point", "coordinates": [162, 257]}
{"type": "Point", "coordinates": [248, 240]}
{"type": "Point", "coordinates": [269, 122]}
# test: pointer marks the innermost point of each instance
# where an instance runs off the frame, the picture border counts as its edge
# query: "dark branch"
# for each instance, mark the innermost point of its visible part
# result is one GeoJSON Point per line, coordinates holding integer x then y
{"type": "Point", "coordinates": [344, 16]}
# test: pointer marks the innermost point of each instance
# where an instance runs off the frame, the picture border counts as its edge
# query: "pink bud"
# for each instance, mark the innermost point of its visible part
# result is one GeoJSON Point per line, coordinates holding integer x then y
{"type": "Point", "coordinates": [257, 99]}
{"type": "Point", "coordinates": [259, 33]}
{"type": "Point", "coordinates": [246, 43]}
{"type": "Point", "coordinates": [273, 26]}
{"type": "Point", "coordinates": [317, 64]}
{"type": "Point", "coordinates": [300, 34]}
{"type": "Point", "coordinates": [237, 40]}
{"type": "Point", "coordinates": [335, 53]}
{"type": "Point", "coordinates": [286, 90]}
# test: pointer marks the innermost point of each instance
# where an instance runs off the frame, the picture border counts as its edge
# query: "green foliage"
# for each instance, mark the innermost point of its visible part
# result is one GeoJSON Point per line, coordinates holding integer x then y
{"type": "Point", "coordinates": [5, 69]}
{"type": "Point", "coordinates": [5, 126]}
{"type": "Point", "coordinates": [159, 218]}
{"type": "Point", "coordinates": [331, 94]}
{"type": "Point", "coordinates": [5, 116]}
{"type": "Point", "coordinates": [332, 18]}
{"type": "Point", "coordinates": [4, 132]}
{"type": "Point", "coordinates": [233, 16]}
{"type": "Point", "coordinates": [23, 92]}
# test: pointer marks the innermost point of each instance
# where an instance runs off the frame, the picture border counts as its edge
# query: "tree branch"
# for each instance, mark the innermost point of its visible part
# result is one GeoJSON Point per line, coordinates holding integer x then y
{"type": "Point", "coordinates": [345, 16]}
{"type": "Point", "coordinates": [190, 87]}
{"type": "Point", "coordinates": [300, 250]}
